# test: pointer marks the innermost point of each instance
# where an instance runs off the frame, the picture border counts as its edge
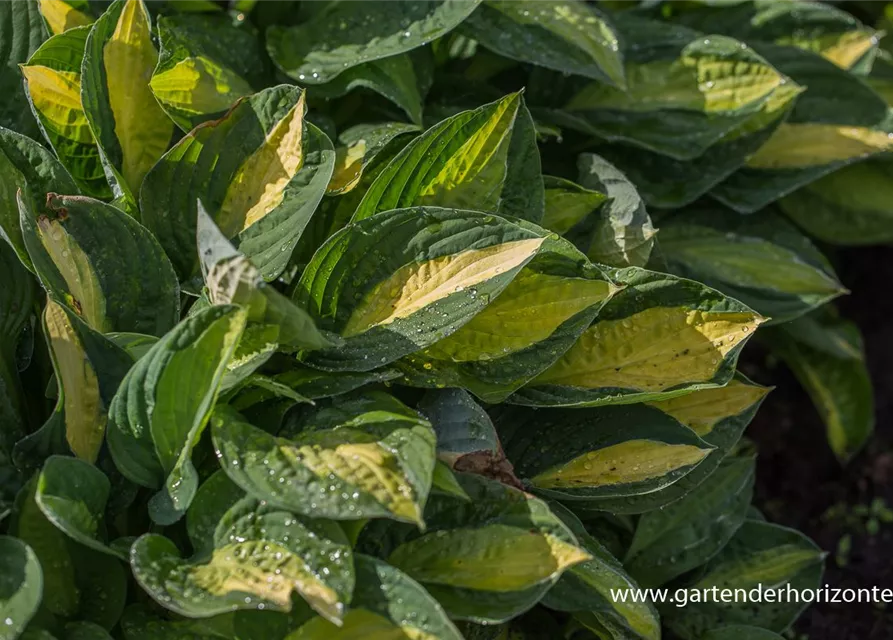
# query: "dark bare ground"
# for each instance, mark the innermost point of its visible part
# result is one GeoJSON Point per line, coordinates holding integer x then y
{"type": "Point", "coordinates": [798, 478]}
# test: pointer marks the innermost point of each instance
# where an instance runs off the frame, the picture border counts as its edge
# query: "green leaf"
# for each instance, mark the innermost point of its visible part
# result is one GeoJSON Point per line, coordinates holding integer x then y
{"type": "Point", "coordinates": [260, 172]}
{"type": "Point", "coordinates": [206, 64]}
{"type": "Point", "coordinates": [760, 260]}
{"type": "Point", "coordinates": [361, 148]}
{"type": "Point", "coordinates": [467, 161]}
{"type": "Point", "coordinates": [316, 384]}
{"type": "Point", "coordinates": [819, 28]}
{"type": "Point", "coordinates": [622, 234]}
{"type": "Point", "coordinates": [161, 409]}
{"type": "Point", "coordinates": [339, 37]}
{"type": "Point", "coordinates": [687, 533]}
{"type": "Point", "coordinates": [231, 279]}
{"type": "Point", "coordinates": [130, 127]}
{"type": "Point", "coordinates": [78, 582]}
{"type": "Point", "coordinates": [53, 82]}
{"type": "Point", "coordinates": [659, 337]}
{"type": "Point", "coordinates": [388, 604]}
{"type": "Point", "coordinates": [836, 122]}
{"type": "Point", "coordinates": [73, 494]}
{"type": "Point", "coordinates": [760, 555]}
{"type": "Point", "coordinates": [23, 31]}
{"type": "Point", "coordinates": [492, 558]}
{"type": "Point", "coordinates": [461, 425]}
{"type": "Point", "coordinates": [25, 166]}
{"type": "Point", "coordinates": [568, 204]}
{"type": "Point", "coordinates": [403, 79]}
{"type": "Point", "coordinates": [261, 556]}
{"type": "Point", "coordinates": [107, 267]}
{"type": "Point", "coordinates": [372, 457]}
{"type": "Point", "coordinates": [838, 383]}
{"type": "Point", "coordinates": [571, 37]}
{"type": "Point", "coordinates": [684, 92]}
{"type": "Point", "coordinates": [62, 15]}
{"type": "Point", "coordinates": [669, 183]}
{"type": "Point", "coordinates": [88, 370]}
{"type": "Point", "coordinates": [606, 452]}
{"type": "Point", "coordinates": [85, 631]}
{"type": "Point", "coordinates": [398, 282]}
{"type": "Point", "coordinates": [850, 206]}
{"type": "Point", "coordinates": [538, 316]}
{"type": "Point", "coordinates": [21, 584]}
{"type": "Point", "coordinates": [16, 308]}
{"type": "Point", "coordinates": [586, 590]}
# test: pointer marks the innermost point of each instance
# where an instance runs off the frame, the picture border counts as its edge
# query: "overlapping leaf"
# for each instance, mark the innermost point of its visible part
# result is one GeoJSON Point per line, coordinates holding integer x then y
{"type": "Point", "coordinates": [660, 337]}
{"type": "Point", "coordinates": [53, 81]}
{"type": "Point", "coordinates": [339, 37]}
{"type": "Point", "coordinates": [759, 260]}
{"type": "Point", "coordinates": [161, 409]}
{"type": "Point", "coordinates": [370, 457]}
{"type": "Point", "coordinates": [206, 64]}
{"type": "Point", "coordinates": [260, 172]}
{"type": "Point", "coordinates": [398, 282]}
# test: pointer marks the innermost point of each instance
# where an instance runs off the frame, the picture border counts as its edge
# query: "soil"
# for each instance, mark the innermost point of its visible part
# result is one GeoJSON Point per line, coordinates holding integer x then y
{"type": "Point", "coordinates": [801, 484]}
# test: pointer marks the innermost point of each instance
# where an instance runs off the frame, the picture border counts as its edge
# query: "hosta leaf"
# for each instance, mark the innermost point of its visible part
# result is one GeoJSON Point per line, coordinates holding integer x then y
{"type": "Point", "coordinates": [16, 306]}
{"type": "Point", "coordinates": [316, 384]}
{"type": "Point", "coordinates": [813, 26]}
{"type": "Point", "coordinates": [678, 83]}
{"type": "Point", "coordinates": [605, 452]}
{"type": "Point", "coordinates": [163, 405]}
{"type": "Point", "coordinates": [586, 589]}
{"type": "Point", "coordinates": [386, 604]}
{"type": "Point", "coordinates": [85, 631]}
{"type": "Point", "coordinates": [403, 79]}
{"type": "Point", "coordinates": [21, 584]}
{"type": "Point", "coordinates": [622, 233]}
{"type": "Point", "coordinates": [88, 370]}
{"type": "Point", "coordinates": [760, 260]}
{"type": "Point", "coordinates": [364, 462]}
{"type": "Point", "coordinates": [358, 148]}
{"type": "Point", "coordinates": [659, 337]}
{"type": "Point", "coordinates": [25, 166]}
{"type": "Point", "coordinates": [538, 316]}
{"type": "Point", "coordinates": [568, 204]}
{"type": "Point", "coordinates": [216, 495]}
{"type": "Point", "coordinates": [206, 64]}
{"type": "Point", "coordinates": [130, 127]}
{"type": "Point", "coordinates": [461, 424]}
{"type": "Point", "coordinates": [73, 496]}
{"type": "Point", "coordinates": [684, 535]}
{"type": "Point", "coordinates": [53, 81]}
{"type": "Point", "coordinates": [666, 182]}
{"type": "Point", "coordinates": [850, 206]}
{"type": "Point", "coordinates": [759, 554]}
{"type": "Point", "coordinates": [105, 265]}
{"type": "Point", "coordinates": [22, 30]}
{"type": "Point", "coordinates": [719, 417]}
{"type": "Point", "coordinates": [78, 582]}
{"type": "Point", "coordinates": [826, 355]}
{"type": "Point", "coordinates": [403, 280]}
{"type": "Point", "coordinates": [231, 279]}
{"type": "Point", "coordinates": [62, 15]}
{"type": "Point", "coordinates": [339, 37]}
{"type": "Point", "coordinates": [837, 121]}
{"type": "Point", "coordinates": [490, 558]}
{"type": "Point", "coordinates": [465, 161]}
{"type": "Point", "coordinates": [571, 37]}
{"type": "Point", "coordinates": [261, 556]}
{"type": "Point", "coordinates": [260, 172]}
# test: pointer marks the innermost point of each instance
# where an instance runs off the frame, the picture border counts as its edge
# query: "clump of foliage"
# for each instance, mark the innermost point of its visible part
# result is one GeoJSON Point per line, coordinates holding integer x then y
{"type": "Point", "coordinates": [349, 320]}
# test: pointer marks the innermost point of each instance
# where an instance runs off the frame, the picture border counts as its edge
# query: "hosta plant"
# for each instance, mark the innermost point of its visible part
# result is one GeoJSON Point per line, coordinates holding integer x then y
{"type": "Point", "coordinates": [418, 320]}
